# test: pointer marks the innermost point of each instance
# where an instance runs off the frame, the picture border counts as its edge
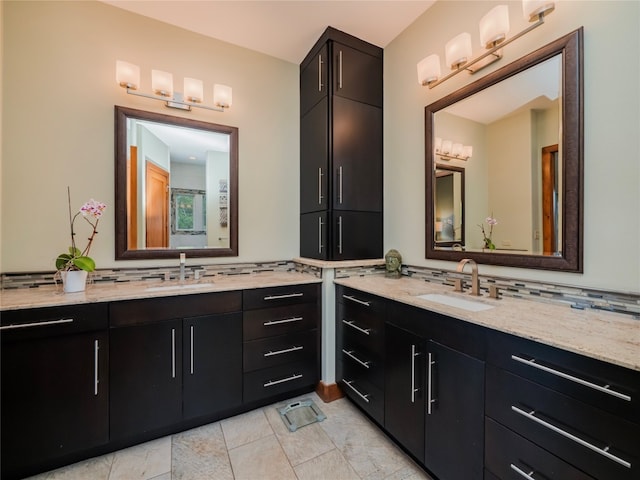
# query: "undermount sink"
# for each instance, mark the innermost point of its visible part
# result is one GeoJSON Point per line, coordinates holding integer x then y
{"type": "Point", "coordinates": [456, 302]}
{"type": "Point", "coordinates": [186, 286]}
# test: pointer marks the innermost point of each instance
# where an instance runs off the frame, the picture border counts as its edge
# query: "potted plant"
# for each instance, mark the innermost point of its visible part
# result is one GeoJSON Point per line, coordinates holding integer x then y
{"type": "Point", "coordinates": [486, 238]}
{"type": "Point", "coordinates": [76, 264]}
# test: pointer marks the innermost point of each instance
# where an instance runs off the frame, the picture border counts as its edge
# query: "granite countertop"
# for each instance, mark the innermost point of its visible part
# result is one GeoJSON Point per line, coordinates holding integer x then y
{"type": "Point", "coordinates": [48, 296]}
{"type": "Point", "coordinates": [611, 337]}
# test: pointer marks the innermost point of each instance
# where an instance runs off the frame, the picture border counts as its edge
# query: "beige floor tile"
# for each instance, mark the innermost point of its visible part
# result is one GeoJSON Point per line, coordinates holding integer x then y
{"type": "Point", "coordinates": [200, 454]}
{"type": "Point", "coordinates": [303, 444]}
{"type": "Point", "coordinates": [142, 462]}
{"type": "Point", "coordinates": [409, 472]}
{"type": "Point", "coordinates": [245, 428]}
{"type": "Point", "coordinates": [330, 465]}
{"type": "Point", "coordinates": [263, 459]}
{"type": "Point", "coordinates": [95, 468]}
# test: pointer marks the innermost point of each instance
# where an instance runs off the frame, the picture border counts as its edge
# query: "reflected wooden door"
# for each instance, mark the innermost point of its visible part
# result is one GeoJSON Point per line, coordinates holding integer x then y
{"type": "Point", "coordinates": [157, 206]}
{"type": "Point", "coordinates": [132, 198]}
{"type": "Point", "coordinates": [550, 199]}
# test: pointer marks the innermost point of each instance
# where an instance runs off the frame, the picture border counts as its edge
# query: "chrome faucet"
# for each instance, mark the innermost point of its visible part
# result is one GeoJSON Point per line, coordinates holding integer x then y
{"type": "Point", "coordinates": [182, 266]}
{"type": "Point", "coordinates": [475, 282]}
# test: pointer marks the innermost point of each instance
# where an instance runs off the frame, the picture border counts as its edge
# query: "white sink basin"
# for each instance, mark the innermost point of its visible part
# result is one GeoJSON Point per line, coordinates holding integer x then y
{"type": "Point", "coordinates": [188, 286]}
{"type": "Point", "coordinates": [456, 302]}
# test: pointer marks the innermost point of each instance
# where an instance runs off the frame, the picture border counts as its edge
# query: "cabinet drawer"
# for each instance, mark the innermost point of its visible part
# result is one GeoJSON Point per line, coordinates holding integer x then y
{"type": "Point", "coordinates": [603, 385]}
{"type": "Point", "coordinates": [277, 296]}
{"type": "Point", "coordinates": [356, 301]}
{"type": "Point", "coordinates": [595, 441]}
{"type": "Point", "coordinates": [511, 457]}
{"type": "Point", "coordinates": [369, 397]}
{"type": "Point", "coordinates": [273, 381]}
{"type": "Point", "coordinates": [268, 322]}
{"type": "Point", "coordinates": [149, 310]}
{"type": "Point", "coordinates": [268, 352]}
{"type": "Point", "coordinates": [361, 364]}
{"type": "Point", "coordinates": [52, 321]}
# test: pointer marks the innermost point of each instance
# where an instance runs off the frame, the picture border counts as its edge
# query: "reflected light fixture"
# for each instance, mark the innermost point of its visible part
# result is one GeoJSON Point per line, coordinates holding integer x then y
{"type": "Point", "coordinates": [128, 76]}
{"type": "Point", "coordinates": [494, 27]}
{"type": "Point", "coordinates": [448, 150]}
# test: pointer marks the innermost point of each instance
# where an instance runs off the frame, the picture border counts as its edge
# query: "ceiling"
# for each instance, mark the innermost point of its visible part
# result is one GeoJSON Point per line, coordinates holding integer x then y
{"type": "Point", "coordinates": [283, 29]}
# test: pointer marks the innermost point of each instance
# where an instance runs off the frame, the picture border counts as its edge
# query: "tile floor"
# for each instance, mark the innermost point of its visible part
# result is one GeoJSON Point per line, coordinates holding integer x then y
{"type": "Point", "coordinates": [258, 446]}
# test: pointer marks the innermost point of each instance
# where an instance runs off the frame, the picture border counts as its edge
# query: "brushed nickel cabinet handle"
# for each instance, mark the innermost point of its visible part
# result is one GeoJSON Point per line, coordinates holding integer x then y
{"type": "Point", "coordinates": [284, 320]}
{"type": "Point", "coordinates": [354, 299]}
{"type": "Point", "coordinates": [340, 69]}
{"type": "Point", "coordinates": [414, 354]}
{"type": "Point", "coordinates": [350, 354]}
{"type": "Point", "coordinates": [191, 349]}
{"type": "Point", "coordinates": [270, 383]}
{"type": "Point", "coordinates": [280, 352]}
{"type": "Point", "coordinates": [37, 324]}
{"type": "Point", "coordinates": [320, 73]}
{"type": "Point", "coordinates": [606, 389]}
{"type": "Point", "coordinates": [320, 196]}
{"type": "Point", "coordinates": [96, 347]}
{"type": "Point", "coordinates": [365, 397]}
{"type": "Point", "coordinates": [522, 473]}
{"type": "Point", "coordinates": [173, 353]}
{"type": "Point", "coordinates": [430, 400]}
{"type": "Point", "coordinates": [286, 295]}
{"type": "Point", "coordinates": [366, 331]}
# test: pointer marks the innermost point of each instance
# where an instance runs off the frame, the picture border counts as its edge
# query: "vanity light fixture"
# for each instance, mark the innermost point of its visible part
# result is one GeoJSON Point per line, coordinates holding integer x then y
{"type": "Point", "coordinates": [494, 27]}
{"type": "Point", "coordinates": [448, 150]}
{"type": "Point", "coordinates": [128, 76]}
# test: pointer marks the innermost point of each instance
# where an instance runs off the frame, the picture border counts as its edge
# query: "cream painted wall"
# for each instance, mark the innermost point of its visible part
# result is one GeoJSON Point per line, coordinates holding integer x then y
{"type": "Point", "coordinates": [611, 125]}
{"type": "Point", "coordinates": [59, 89]}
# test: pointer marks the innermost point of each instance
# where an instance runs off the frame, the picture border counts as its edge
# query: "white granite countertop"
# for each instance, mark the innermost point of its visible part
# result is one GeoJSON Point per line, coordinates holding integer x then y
{"type": "Point", "coordinates": [611, 337]}
{"type": "Point", "coordinates": [48, 296]}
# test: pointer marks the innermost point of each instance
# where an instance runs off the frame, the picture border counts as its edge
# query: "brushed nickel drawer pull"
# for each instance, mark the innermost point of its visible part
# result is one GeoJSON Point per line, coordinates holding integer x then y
{"type": "Point", "coordinates": [364, 397]}
{"type": "Point", "coordinates": [37, 324]}
{"type": "Point", "coordinates": [279, 297]}
{"type": "Point", "coordinates": [605, 389]}
{"type": "Point", "coordinates": [353, 325]}
{"type": "Point", "coordinates": [350, 354]}
{"type": "Point", "coordinates": [520, 472]}
{"type": "Point", "coordinates": [284, 320]}
{"type": "Point", "coordinates": [354, 299]}
{"type": "Point", "coordinates": [602, 451]}
{"type": "Point", "coordinates": [270, 383]}
{"type": "Point", "coordinates": [286, 350]}
{"type": "Point", "coordinates": [430, 363]}
{"type": "Point", "coordinates": [96, 347]}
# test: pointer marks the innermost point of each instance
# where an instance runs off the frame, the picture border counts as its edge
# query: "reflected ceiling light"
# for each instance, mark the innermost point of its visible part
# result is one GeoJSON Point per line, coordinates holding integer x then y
{"type": "Point", "coordinates": [448, 150]}
{"type": "Point", "coordinates": [128, 76]}
{"type": "Point", "coordinates": [494, 27]}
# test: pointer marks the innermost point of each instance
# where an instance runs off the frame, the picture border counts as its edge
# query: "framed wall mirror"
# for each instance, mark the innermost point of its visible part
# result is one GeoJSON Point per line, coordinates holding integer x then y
{"type": "Point", "coordinates": [525, 124]}
{"type": "Point", "coordinates": [176, 185]}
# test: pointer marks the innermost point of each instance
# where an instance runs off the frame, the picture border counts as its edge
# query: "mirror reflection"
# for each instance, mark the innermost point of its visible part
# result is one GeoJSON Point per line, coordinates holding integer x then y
{"type": "Point", "coordinates": [520, 130]}
{"type": "Point", "coordinates": [176, 186]}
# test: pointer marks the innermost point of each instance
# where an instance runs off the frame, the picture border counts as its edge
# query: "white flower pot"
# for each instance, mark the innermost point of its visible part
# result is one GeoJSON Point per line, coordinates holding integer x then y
{"type": "Point", "coordinates": [74, 280]}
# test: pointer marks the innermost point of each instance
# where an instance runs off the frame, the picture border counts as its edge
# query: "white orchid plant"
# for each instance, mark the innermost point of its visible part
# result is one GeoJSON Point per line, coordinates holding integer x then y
{"type": "Point", "coordinates": [488, 242]}
{"type": "Point", "coordinates": [78, 259]}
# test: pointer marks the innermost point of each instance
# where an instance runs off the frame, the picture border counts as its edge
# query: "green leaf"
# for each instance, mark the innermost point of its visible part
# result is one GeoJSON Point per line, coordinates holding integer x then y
{"type": "Point", "coordinates": [75, 252]}
{"type": "Point", "coordinates": [85, 263]}
{"type": "Point", "coordinates": [62, 260]}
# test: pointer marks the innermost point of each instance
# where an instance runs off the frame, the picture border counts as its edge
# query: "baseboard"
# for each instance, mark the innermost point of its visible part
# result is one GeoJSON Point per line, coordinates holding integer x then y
{"type": "Point", "coordinates": [329, 392]}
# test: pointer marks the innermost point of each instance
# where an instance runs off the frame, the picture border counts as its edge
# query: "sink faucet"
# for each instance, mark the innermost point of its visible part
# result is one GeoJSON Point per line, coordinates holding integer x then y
{"type": "Point", "coordinates": [182, 265]}
{"type": "Point", "coordinates": [475, 282]}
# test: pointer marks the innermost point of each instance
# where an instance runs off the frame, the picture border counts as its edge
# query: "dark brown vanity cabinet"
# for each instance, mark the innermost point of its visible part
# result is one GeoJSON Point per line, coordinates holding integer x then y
{"type": "Point", "coordinates": [280, 341]}
{"type": "Point", "coordinates": [173, 359]}
{"type": "Point", "coordinates": [341, 149]}
{"type": "Point", "coordinates": [550, 402]}
{"type": "Point", "coordinates": [55, 386]}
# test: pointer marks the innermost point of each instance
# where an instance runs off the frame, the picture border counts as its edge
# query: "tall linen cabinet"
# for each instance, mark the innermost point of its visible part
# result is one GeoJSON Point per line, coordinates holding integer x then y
{"type": "Point", "coordinates": [341, 149]}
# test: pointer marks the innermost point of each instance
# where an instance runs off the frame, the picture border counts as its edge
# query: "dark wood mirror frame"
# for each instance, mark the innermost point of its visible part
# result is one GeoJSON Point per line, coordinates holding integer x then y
{"type": "Point", "coordinates": [571, 48]}
{"type": "Point", "coordinates": [122, 250]}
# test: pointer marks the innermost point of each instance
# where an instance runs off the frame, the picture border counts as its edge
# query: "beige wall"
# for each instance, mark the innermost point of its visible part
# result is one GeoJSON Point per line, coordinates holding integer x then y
{"type": "Point", "coordinates": [59, 90]}
{"type": "Point", "coordinates": [611, 125]}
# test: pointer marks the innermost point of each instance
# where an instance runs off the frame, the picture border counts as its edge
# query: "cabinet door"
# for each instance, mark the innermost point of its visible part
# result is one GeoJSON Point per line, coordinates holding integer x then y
{"type": "Point", "coordinates": [404, 389]}
{"type": "Point", "coordinates": [454, 427]}
{"type": "Point", "coordinates": [313, 81]}
{"type": "Point", "coordinates": [314, 235]}
{"type": "Point", "coordinates": [357, 156]}
{"type": "Point", "coordinates": [314, 159]}
{"type": "Point", "coordinates": [356, 235]}
{"type": "Point", "coordinates": [55, 394]}
{"type": "Point", "coordinates": [146, 377]}
{"type": "Point", "coordinates": [212, 364]}
{"type": "Point", "coordinates": [357, 75]}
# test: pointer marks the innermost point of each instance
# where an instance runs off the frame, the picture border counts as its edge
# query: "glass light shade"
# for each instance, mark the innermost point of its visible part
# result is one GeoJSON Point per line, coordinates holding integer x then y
{"type": "Point", "coordinates": [494, 26]}
{"type": "Point", "coordinates": [533, 8]}
{"type": "Point", "coordinates": [222, 95]}
{"type": "Point", "coordinates": [446, 147]}
{"type": "Point", "coordinates": [456, 149]}
{"type": "Point", "coordinates": [162, 83]}
{"type": "Point", "coordinates": [193, 90]}
{"type": "Point", "coordinates": [438, 145]}
{"type": "Point", "coordinates": [127, 75]}
{"type": "Point", "coordinates": [467, 151]}
{"type": "Point", "coordinates": [458, 50]}
{"type": "Point", "coordinates": [429, 69]}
